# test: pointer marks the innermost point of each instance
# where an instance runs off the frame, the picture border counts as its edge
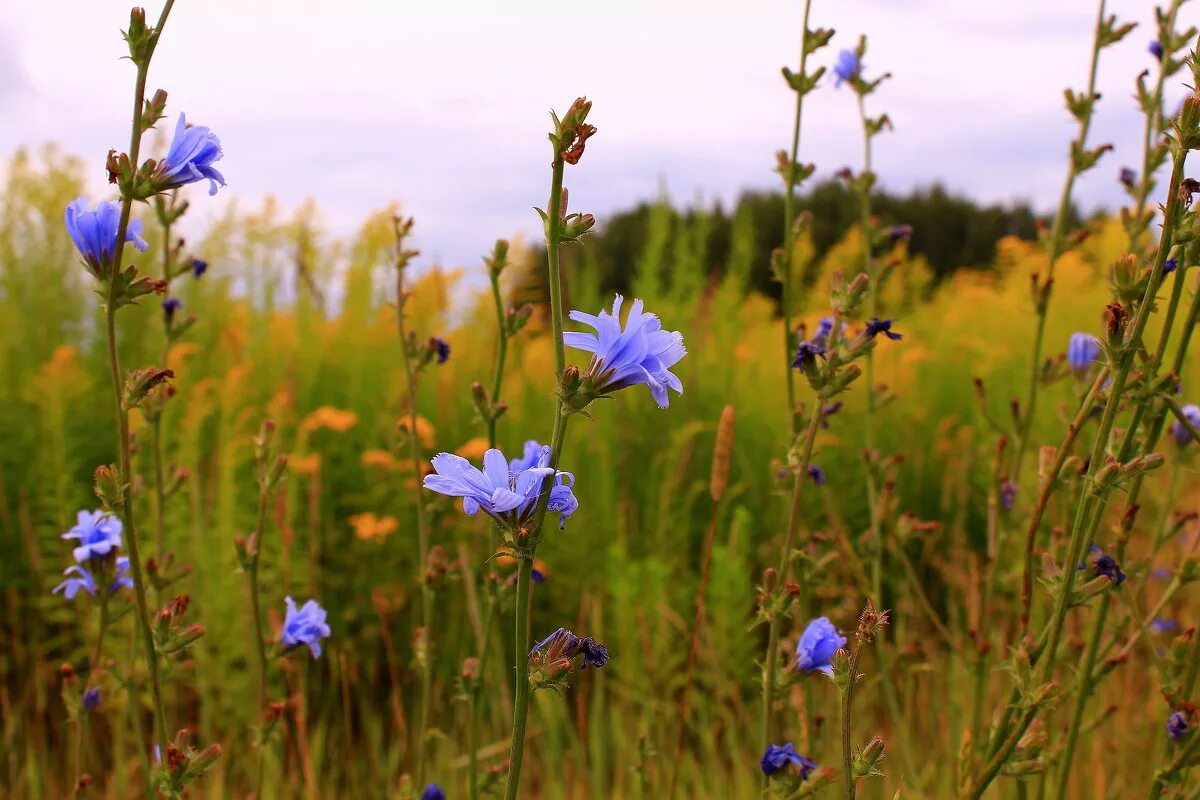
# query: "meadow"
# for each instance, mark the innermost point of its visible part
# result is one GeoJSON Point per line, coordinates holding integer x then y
{"type": "Point", "coordinates": [996, 511]}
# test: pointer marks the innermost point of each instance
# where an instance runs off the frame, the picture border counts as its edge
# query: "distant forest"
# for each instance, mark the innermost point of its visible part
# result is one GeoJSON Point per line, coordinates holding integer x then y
{"type": "Point", "coordinates": [950, 231]}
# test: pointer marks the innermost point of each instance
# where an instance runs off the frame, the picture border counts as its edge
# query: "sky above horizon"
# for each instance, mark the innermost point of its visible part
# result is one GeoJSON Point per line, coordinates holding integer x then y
{"type": "Point", "coordinates": [442, 107]}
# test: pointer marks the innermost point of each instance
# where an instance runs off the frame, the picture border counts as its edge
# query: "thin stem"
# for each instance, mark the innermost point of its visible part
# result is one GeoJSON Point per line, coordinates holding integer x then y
{"type": "Point", "coordinates": [501, 353]}
{"type": "Point", "coordinates": [259, 640]}
{"type": "Point", "coordinates": [846, 705]}
{"type": "Point", "coordinates": [1083, 693]}
{"type": "Point", "coordinates": [789, 233]}
{"type": "Point", "coordinates": [1057, 246]}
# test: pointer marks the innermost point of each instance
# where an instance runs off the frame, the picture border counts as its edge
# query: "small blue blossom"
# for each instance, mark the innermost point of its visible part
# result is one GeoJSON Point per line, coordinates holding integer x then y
{"type": "Point", "coordinates": [1008, 494]}
{"type": "Point", "coordinates": [817, 474]}
{"type": "Point", "coordinates": [1181, 434]}
{"type": "Point", "coordinates": [122, 579]}
{"type": "Point", "coordinates": [91, 698]}
{"type": "Point", "coordinates": [1127, 177]}
{"type": "Point", "coordinates": [71, 586]}
{"type": "Point", "coordinates": [199, 267]}
{"type": "Point", "coordinates": [441, 348]}
{"type": "Point", "coordinates": [304, 626]}
{"type": "Point", "coordinates": [1161, 625]}
{"type": "Point", "coordinates": [1082, 350]}
{"type": "Point", "coordinates": [506, 495]}
{"type": "Point", "coordinates": [433, 792]}
{"type": "Point", "coordinates": [876, 326]}
{"type": "Point", "coordinates": [642, 352]}
{"type": "Point", "coordinates": [778, 756]}
{"type": "Point", "coordinates": [1156, 49]}
{"type": "Point", "coordinates": [1106, 566]}
{"type": "Point", "coordinates": [1169, 266]}
{"type": "Point", "coordinates": [846, 68]}
{"type": "Point", "coordinates": [1177, 726]}
{"type": "Point", "coordinates": [529, 458]}
{"type": "Point", "coordinates": [828, 411]}
{"type": "Point", "coordinates": [94, 232]}
{"type": "Point", "coordinates": [818, 643]}
{"type": "Point", "coordinates": [537, 576]}
{"type": "Point", "coordinates": [170, 306]}
{"type": "Point", "coordinates": [807, 354]}
{"type": "Point", "coordinates": [97, 532]}
{"type": "Point", "coordinates": [190, 157]}
{"type": "Point", "coordinates": [899, 232]}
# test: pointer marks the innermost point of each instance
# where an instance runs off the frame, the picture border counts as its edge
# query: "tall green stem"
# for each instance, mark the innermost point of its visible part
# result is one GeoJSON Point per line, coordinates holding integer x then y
{"type": "Point", "coordinates": [260, 646]}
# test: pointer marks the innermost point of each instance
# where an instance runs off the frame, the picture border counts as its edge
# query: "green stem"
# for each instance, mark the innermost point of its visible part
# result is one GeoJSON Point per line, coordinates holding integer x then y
{"type": "Point", "coordinates": [501, 354]}
{"type": "Point", "coordinates": [846, 704]}
{"type": "Point", "coordinates": [1083, 693]}
{"type": "Point", "coordinates": [1057, 246]}
{"type": "Point", "coordinates": [260, 646]}
{"type": "Point", "coordinates": [789, 234]}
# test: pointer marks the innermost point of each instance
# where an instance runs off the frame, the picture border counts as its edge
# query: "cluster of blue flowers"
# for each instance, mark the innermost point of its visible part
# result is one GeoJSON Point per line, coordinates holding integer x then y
{"type": "Point", "coordinates": [99, 537]}
{"type": "Point", "coordinates": [506, 491]}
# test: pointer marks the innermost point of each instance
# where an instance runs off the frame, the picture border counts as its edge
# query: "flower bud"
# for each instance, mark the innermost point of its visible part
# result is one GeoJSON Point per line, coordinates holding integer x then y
{"type": "Point", "coordinates": [109, 488]}
{"type": "Point", "coordinates": [867, 761]}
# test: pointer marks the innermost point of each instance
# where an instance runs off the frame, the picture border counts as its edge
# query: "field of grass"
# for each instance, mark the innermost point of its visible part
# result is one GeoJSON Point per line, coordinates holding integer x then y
{"type": "Point", "coordinates": [299, 328]}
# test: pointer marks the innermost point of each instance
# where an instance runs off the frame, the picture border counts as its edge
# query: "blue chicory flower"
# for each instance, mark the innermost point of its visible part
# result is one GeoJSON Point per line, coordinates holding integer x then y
{"type": "Point", "coordinates": [71, 585]}
{"type": "Point", "coordinates": [433, 792]}
{"type": "Point", "coordinates": [199, 267]}
{"type": "Point", "coordinates": [304, 626]}
{"type": "Point", "coordinates": [565, 644]}
{"type": "Point", "coordinates": [121, 580]}
{"type": "Point", "coordinates": [1178, 432]}
{"type": "Point", "coordinates": [190, 157]}
{"type": "Point", "coordinates": [876, 326]}
{"type": "Point", "coordinates": [1127, 177]}
{"type": "Point", "coordinates": [641, 352]}
{"type": "Point", "coordinates": [1156, 49]}
{"type": "Point", "coordinates": [1169, 266]}
{"type": "Point", "coordinates": [91, 698]}
{"type": "Point", "coordinates": [817, 474]}
{"type": "Point", "coordinates": [97, 532]}
{"type": "Point", "coordinates": [440, 348]}
{"type": "Point", "coordinates": [847, 67]}
{"type": "Point", "coordinates": [94, 232]}
{"type": "Point", "coordinates": [1161, 625]}
{"type": "Point", "coordinates": [818, 643]}
{"type": "Point", "coordinates": [506, 495]}
{"type": "Point", "coordinates": [778, 756]}
{"type": "Point", "coordinates": [1106, 566]}
{"type": "Point", "coordinates": [1177, 726]}
{"type": "Point", "coordinates": [807, 354]}
{"type": "Point", "coordinates": [170, 306]}
{"type": "Point", "coordinates": [1082, 350]}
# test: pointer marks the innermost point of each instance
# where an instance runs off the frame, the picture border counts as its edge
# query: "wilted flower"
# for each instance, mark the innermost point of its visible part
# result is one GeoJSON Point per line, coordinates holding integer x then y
{"type": "Point", "coordinates": [91, 698]}
{"type": "Point", "coordinates": [1082, 350]}
{"type": "Point", "coordinates": [440, 348]}
{"type": "Point", "coordinates": [818, 643]}
{"type": "Point", "coordinates": [1169, 266]}
{"type": "Point", "coordinates": [817, 474]}
{"type": "Point", "coordinates": [846, 68]}
{"type": "Point", "coordinates": [94, 232]}
{"type": "Point", "coordinates": [778, 756]}
{"type": "Point", "coordinates": [1177, 726]}
{"type": "Point", "coordinates": [642, 352]}
{"type": "Point", "coordinates": [199, 267]}
{"type": "Point", "coordinates": [562, 644]}
{"type": "Point", "coordinates": [876, 326]}
{"type": "Point", "coordinates": [433, 792]}
{"type": "Point", "coordinates": [170, 306]}
{"type": "Point", "coordinates": [304, 626]}
{"type": "Point", "coordinates": [190, 157]}
{"type": "Point", "coordinates": [1106, 566]}
{"type": "Point", "coordinates": [1192, 414]}
{"type": "Point", "coordinates": [1156, 49]}
{"type": "Point", "coordinates": [97, 532]}
{"type": "Point", "coordinates": [807, 354]}
{"type": "Point", "coordinates": [1127, 177]}
{"type": "Point", "coordinates": [506, 495]}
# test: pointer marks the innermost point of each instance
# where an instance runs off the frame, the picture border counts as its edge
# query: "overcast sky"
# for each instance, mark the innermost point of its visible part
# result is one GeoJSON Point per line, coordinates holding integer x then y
{"type": "Point", "coordinates": [443, 105]}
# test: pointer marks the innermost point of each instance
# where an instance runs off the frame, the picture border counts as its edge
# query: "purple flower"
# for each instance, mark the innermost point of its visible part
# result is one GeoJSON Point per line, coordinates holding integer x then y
{"type": "Point", "coordinates": [1156, 49]}
{"type": "Point", "coordinates": [847, 67]}
{"type": "Point", "coordinates": [828, 411]}
{"type": "Point", "coordinates": [565, 644]}
{"type": "Point", "coordinates": [505, 494]}
{"type": "Point", "coordinates": [199, 267]}
{"type": "Point", "coordinates": [1082, 350]}
{"type": "Point", "coordinates": [778, 756]}
{"type": "Point", "coordinates": [1181, 434]}
{"type": "Point", "coordinates": [121, 580]}
{"type": "Point", "coordinates": [642, 352]}
{"type": "Point", "coordinates": [876, 326]}
{"type": "Point", "coordinates": [1177, 726]}
{"type": "Point", "coordinates": [899, 232]}
{"type": "Point", "coordinates": [1008, 494]}
{"type": "Point", "coordinates": [1164, 625]}
{"type": "Point", "coordinates": [95, 232]}
{"type": "Point", "coordinates": [818, 643]}
{"type": "Point", "coordinates": [817, 474]}
{"type": "Point", "coordinates": [1106, 566]}
{"type": "Point", "coordinates": [170, 306]}
{"type": "Point", "coordinates": [433, 792]}
{"type": "Point", "coordinates": [98, 534]}
{"type": "Point", "coordinates": [1169, 266]}
{"type": "Point", "coordinates": [190, 157]}
{"type": "Point", "coordinates": [91, 698]}
{"type": "Point", "coordinates": [807, 354]}
{"type": "Point", "coordinates": [71, 586]}
{"type": "Point", "coordinates": [441, 348]}
{"type": "Point", "coordinates": [304, 626]}
{"type": "Point", "coordinates": [1127, 177]}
